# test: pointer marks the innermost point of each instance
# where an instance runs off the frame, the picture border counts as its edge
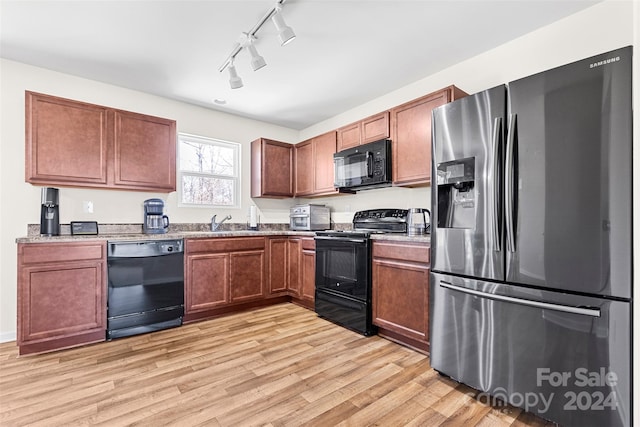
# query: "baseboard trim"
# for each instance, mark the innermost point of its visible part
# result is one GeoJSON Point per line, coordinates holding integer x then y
{"type": "Point", "coordinates": [7, 336]}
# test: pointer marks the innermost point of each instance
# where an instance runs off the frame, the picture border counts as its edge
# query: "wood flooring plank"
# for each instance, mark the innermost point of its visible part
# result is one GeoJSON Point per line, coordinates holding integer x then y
{"type": "Point", "coordinates": [273, 366]}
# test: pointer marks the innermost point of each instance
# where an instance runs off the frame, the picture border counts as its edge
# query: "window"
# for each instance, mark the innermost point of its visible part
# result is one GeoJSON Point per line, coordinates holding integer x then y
{"type": "Point", "coordinates": [209, 171]}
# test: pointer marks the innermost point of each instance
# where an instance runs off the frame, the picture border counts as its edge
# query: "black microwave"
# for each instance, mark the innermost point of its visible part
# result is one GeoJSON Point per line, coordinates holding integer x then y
{"type": "Point", "coordinates": [364, 166]}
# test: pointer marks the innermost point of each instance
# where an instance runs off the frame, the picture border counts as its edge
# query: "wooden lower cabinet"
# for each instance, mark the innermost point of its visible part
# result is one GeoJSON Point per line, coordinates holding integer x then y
{"type": "Point", "coordinates": [221, 272]}
{"type": "Point", "coordinates": [400, 283]}
{"type": "Point", "coordinates": [292, 268]}
{"type": "Point", "coordinates": [61, 295]}
{"type": "Point", "coordinates": [308, 270]}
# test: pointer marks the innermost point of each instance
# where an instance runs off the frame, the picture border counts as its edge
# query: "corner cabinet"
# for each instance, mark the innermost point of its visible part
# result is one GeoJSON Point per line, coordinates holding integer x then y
{"type": "Point", "coordinates": [291, 269]}
{"type": "Point", "coordinates": [400, 284]}
{"type": "Point", "coordinates": [411, 137]}
{"type": "Point", "coordinates": [271, 169]}
{"type": "Point", "coordinates": [222, 272]}
{"type": "Point", "coordinates": [61, 295]}
{"type": "Point", "coordinates": [314, 166]}
{"type": "Point", "coordinates": [76, 144]}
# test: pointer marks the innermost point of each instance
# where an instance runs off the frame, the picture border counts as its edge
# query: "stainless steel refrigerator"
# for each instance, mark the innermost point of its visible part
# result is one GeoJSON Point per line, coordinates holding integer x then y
{"type": "Point", "coordinates": [531, 242]}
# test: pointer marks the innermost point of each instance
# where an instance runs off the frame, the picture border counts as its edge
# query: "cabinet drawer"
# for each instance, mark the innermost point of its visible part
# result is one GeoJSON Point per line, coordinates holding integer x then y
{"type": "Point", "coordinates": [225, 244]}
{"type": "Point", "coordinates": [309, 243]}
{"type": "Point", "coordinates": [402, 251]}
{"type": "Point", "coordinates": [31, 253]}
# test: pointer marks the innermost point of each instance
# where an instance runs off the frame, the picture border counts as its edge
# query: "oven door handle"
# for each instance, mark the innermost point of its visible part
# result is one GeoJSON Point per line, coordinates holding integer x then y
{"type": "Point", "coordinates": [299, 216]}
{"type": "Point", "coordinates": [342, 239]}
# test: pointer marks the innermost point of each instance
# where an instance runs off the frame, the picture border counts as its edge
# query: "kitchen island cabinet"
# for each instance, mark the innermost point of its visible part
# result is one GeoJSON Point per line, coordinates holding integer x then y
{"type": "Point", "coordinates": [222, 272]}
{"type": "Point", "coordinates": [76, 144]}
{"type": "Point", "coordinates": [400, 297]}
{"type": "Point", "coordinates": [411, 137]}
{"type": "Point", "coordinates": [271, 168]}
{"type": "Point", "coordinates": [61, 295]}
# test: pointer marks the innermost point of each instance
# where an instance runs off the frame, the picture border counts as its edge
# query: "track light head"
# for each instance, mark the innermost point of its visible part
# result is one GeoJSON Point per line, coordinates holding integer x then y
{"type": "Point", "coordinates": [257, 61]}
{"type": "Point", "coordinates": [285, 33]}
{"type": "Point", "coordinates": [234, 80]}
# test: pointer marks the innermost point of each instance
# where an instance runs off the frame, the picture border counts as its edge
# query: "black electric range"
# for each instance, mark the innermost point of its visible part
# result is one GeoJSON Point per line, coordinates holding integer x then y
{"type": "Point", "coordinates": [343, 268]}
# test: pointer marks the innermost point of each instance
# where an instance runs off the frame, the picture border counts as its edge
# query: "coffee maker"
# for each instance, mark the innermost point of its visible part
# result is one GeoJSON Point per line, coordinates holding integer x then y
{"type": "Point", "coordinates": [49, 212]}
{"type": "Point", "coordinates": [155, 222]}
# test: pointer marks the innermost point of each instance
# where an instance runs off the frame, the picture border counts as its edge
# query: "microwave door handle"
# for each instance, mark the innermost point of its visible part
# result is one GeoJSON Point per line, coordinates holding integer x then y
{"type": "Point", "coordinates": [369, 164]}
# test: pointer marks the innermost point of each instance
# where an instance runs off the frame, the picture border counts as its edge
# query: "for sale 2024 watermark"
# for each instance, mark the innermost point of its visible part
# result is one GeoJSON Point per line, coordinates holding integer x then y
{"type": "Point", "coordinates": [585, 391]}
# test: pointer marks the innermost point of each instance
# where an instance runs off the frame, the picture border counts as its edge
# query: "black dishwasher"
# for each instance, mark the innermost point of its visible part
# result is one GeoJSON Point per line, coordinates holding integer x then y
{"type": "Point", "coordinates": [146, 286]}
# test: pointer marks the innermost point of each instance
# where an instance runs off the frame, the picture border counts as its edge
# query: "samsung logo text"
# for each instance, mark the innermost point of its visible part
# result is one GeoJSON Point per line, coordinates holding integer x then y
{"type": "Point", "coordinates": [605, 62]}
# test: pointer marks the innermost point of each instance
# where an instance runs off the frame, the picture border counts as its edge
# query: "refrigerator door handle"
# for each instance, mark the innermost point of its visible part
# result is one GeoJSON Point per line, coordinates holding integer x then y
{"type": "Point", "coordinates": [593, 312]}
{"type": "Point", "coordinates": [497, 141]}
{"type": "Point", "coordinates": [509, 184]}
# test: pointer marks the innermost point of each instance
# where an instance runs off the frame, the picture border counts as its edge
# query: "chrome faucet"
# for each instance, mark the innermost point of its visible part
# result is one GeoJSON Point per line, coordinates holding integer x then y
{"type": "Point", "coordinates": [215, 225]}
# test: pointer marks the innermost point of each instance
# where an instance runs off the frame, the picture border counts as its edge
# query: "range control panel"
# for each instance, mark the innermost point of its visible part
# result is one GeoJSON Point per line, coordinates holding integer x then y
{"type": "Point", "coordinates": [372, 215]}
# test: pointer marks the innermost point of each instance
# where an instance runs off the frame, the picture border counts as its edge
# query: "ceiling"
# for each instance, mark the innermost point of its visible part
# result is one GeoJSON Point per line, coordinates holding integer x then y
{"type": "Point", "coordinates": [346, 52]}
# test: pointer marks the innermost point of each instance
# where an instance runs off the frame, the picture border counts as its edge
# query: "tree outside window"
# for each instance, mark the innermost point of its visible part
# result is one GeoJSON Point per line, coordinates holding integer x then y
{"type": "Point", "coordinates": [209, 171]}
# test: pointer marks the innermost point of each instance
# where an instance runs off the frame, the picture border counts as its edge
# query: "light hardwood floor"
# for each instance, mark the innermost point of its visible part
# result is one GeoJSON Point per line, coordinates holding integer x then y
{"type": "Point", "coordinates": [276, 366]}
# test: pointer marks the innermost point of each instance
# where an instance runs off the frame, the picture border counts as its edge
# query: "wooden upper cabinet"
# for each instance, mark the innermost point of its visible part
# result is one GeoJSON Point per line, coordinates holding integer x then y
{"type": "Point", "coordinates": [145, 152]}
{"type": "Point", "coordinates": [324, 147]}
{"type": "Point", "coordinates": [349, 136]}
{"type": "Point", "coordinates": [368, 130]}
{"type": "Point", "coordinates": [314, 166]}
{"type": "Point", "coordinates": [303, 184]}
{"type": "Point", "coordinates": [66, 141]}
{"type": "Point", "coordinates": [76, 144]}
{"type": "Point", "coordinates": [411, 137]}
{"type": "Point", "coordinates": [271, 168]}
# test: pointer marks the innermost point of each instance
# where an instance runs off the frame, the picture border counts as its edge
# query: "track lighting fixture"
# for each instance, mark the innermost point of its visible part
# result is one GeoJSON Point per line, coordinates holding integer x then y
{"type": "Point", "coordinates": [285, 34]}
{"type": "Point", "coordinates": [234, 80]}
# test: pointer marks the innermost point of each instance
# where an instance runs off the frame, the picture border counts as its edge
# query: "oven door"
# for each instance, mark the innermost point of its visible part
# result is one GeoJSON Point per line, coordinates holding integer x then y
{"type": "Point", "coordinates": [299, 222]}
{"type": "Point", "coordinates": [342, 266]}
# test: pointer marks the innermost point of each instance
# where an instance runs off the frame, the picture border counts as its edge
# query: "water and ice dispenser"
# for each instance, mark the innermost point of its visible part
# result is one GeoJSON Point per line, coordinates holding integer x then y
{"type": "Point", "coordinates": [456, 193]}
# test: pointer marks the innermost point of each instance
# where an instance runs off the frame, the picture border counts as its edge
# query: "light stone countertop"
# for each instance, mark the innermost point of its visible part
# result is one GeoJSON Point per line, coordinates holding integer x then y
{"type": "Point", "coordinates": [202, 235]}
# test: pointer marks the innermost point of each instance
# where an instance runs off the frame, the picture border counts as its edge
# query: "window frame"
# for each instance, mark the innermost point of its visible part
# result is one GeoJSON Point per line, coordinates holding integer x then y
{"type": "Point", "coordinates": [236, 178]}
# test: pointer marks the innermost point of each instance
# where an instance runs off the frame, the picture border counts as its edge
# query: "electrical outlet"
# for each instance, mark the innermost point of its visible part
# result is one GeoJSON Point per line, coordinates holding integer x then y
{"type": "Point", "coordinates": [87, 207]}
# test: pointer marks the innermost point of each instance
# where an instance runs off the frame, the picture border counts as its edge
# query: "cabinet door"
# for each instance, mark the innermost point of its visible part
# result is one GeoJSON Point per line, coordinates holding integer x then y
{"type": "Point", "coordinates": [271, 168]}
{"type": "Point", "coordinates": [304, 168]}
{"type": "Point", "coordinates": [324, 147]}
{"type": "Point", "coordinates": [294, 250]}
{"type": "Point", "coordinates": [61, 295]}
{"type": "Point", "coordinates": [66, 141]}
{"type": "Point", "coordinates": [145, 152]}
{"type": "Point", "coordinates": [349, 136]}
{"type": "Point", "coordinates": [278, 268]}
{"type": "Point", "coordinates": [61, 300]}
{"type": "Point", "coordinates": [401, 298]}
{"type": "Point", "coordinates": [246, 275]}
{"type": "Point", "coordinates": [375, 128]}
{"type": "Point", "coordinates": [411, 139]}
{"type": "Point", "coordinates": [308, 275]}
{"type": "Point", "coordinates": [206, 282]}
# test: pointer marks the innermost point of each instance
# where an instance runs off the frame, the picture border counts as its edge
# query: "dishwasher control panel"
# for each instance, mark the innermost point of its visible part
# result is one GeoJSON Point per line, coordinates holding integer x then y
{"type": "Point", "coordinates": [143, 248]}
